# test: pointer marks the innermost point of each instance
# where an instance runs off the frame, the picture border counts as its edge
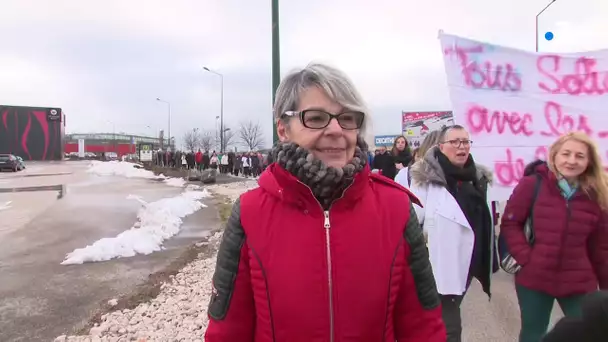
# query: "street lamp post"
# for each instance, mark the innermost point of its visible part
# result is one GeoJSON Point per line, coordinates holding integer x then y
{"type": "Point", "coordinates": [221, 106]}
{"type": "Point", "coordinates": [538, 15]}
{"type": "Point", "coordinates": [169, 119]}
{"type": "Point", "coordinates": [276, 61]}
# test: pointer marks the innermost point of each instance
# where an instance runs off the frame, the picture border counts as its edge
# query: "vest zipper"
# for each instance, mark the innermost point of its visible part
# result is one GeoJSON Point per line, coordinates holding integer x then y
{"type": "Point", "coordinates": [327, 226]}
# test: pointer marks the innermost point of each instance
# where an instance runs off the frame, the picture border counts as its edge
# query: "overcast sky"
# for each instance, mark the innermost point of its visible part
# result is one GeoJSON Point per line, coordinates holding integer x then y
{"type": "Point", "coordinates": [105, 62]}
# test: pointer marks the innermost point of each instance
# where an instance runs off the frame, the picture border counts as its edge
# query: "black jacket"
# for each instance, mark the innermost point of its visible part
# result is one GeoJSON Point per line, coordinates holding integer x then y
{"type": "Point", "coordinates": [386, 163]}
{"type": "Point", "coordinates": [404, 157]}
{"type": "Point", "coordinates": [592, 326]}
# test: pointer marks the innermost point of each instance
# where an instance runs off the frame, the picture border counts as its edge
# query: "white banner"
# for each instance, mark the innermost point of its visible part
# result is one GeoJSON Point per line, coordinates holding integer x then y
{"type": "Point", "coordinates": [516, 103]}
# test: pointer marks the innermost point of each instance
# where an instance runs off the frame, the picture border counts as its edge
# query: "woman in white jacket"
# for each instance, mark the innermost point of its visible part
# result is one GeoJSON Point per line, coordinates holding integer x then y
{"type": "Point", "coordinates": [456, 219]}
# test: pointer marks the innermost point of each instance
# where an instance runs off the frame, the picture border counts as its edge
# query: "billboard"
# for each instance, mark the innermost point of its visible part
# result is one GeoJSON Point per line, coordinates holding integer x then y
{"type": "Point", "coordinates": [415, 125]}
{"type": "Point", "coordinates": [32, 133]}
{"type": "Point", "coordinates": [384, 140]}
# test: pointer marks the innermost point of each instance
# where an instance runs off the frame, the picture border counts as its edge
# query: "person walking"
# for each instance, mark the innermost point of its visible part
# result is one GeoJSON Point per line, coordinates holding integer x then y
{"type": "Point", "coordinates": [246, 162]}
{"type": "Point", "coordinates": [568, 257]}
{"type": "Point", "coordinates": [385, 163]}
{"type": "Point", "coordinates": [404, 176]}
{"type": "Point", "coordinates": [457, 220]}
{"type": "Point", "coordinates": [303, 257]}
{"type": "Point", "coordinates": [402, 156]}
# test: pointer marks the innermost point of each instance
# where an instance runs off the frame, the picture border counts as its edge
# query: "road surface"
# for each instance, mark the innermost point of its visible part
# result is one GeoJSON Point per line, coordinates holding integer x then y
{"type": "Point", "coordinates": [41, 299]}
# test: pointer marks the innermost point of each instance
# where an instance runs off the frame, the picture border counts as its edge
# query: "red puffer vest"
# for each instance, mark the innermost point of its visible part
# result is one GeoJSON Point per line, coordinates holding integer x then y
{"type": "Point", "coordinates": [570, 252]}
{"type": "Point", "coordinates": [288, 271]}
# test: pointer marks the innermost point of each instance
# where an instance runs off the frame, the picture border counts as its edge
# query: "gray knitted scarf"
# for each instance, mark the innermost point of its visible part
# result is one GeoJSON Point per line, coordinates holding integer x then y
{"type": "Point", "coordinates": [327, 183]}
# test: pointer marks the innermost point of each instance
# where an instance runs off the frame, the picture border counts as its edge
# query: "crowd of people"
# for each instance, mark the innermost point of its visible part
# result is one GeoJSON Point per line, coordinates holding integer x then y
{"type": "Point", "coordinates": [247, 164]}
{"type": "Point", "coordinates": [337, 244]}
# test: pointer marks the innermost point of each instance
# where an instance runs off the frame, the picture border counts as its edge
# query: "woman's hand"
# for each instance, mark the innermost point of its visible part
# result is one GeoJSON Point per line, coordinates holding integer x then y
{"type": "Point", "coordinates": [399, 166]}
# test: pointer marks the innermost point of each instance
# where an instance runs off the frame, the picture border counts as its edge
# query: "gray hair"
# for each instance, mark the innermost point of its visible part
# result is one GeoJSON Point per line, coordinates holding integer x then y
{"type": "Point", "coordinates": [334, 82]}
{"type": "Point", "coordinates": [432, 139]}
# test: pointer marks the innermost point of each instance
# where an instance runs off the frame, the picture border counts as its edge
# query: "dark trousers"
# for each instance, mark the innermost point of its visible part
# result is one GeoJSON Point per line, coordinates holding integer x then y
{"type": "Point", "coordinates": [535, 309]}
{"type": "Point", "coordinates": [450, 312]}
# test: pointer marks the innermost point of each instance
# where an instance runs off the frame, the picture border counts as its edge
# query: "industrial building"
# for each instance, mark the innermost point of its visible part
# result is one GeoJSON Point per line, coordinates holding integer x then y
{"type": "Point", "coordinates": [119, 143]}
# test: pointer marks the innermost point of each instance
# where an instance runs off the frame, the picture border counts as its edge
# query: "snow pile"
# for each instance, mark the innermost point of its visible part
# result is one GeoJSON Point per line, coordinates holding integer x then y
{"type": "Point", "coordinates": [178, 313]}
{"type": "Point", "coordinates": [177, 182]}
{"type": "Point", "coordinates": [158, 221]}
{"type": "Point", "coordinates": [6, 205]}
{"type": "Point", "coordinates": [120, 168]}
{"type": "Point", "coordinates": [233, 190]}
{"type": "Point", "coordinates": [131, 170]}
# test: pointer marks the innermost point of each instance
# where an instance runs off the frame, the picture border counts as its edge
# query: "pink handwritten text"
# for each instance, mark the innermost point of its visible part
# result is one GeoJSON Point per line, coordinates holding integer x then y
{"type": "Point", "coordinates": [485, 74]}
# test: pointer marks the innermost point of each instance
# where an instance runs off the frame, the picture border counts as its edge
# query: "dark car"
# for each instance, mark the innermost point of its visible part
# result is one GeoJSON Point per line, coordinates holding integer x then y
{"type": "Point", "coordinates": [10, 162]}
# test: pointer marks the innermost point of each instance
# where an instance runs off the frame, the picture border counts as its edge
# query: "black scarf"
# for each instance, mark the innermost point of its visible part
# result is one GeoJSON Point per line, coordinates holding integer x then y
{"type": "Point", "coordinates": [326, 183]}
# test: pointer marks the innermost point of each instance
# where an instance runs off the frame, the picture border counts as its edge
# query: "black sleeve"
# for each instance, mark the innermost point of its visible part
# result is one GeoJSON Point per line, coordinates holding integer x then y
{"type": "Point", "coordinates": [227, 266]}
{"type": "Point", "coordinates": [420, 264]}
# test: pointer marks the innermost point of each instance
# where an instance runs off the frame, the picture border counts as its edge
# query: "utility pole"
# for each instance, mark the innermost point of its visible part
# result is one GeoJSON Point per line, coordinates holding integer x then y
{"type": "Point", "coordinates": [538, 15]}
{"type": "Point", "coordinates": [276, 62]}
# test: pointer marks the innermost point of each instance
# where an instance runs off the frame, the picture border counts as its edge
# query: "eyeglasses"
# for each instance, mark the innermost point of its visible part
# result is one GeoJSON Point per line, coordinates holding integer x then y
{"type": "Point", "coordinates": [318, 119]}
{"type": "Point", "coordinates": [457, 143]}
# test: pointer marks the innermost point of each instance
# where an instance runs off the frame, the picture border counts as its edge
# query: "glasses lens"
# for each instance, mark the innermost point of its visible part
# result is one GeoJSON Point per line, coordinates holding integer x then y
{"type": "Point", "coordinates": [315, 119]}
{"type": "Point", "coordinates": [351, 120]}
{"type": "Point", "coordinates": [457, 143]}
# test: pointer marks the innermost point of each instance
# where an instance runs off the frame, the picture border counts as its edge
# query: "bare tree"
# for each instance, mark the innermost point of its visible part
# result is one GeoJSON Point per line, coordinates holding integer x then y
{"type": "Point", "coordinates": [207, 140]}
{"type": "Point", "coordinates": [192, 140]}
{"type": "Point", "coordinates": [228, 139]}
{"type": "Point", "coordinates": [251, 135]}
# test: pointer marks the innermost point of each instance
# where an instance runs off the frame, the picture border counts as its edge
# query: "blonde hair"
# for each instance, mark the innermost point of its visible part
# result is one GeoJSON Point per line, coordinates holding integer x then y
{"type": "Point", "coordinates": [593, 180]}
{"type": "Point", "coordinates": [432, 139]}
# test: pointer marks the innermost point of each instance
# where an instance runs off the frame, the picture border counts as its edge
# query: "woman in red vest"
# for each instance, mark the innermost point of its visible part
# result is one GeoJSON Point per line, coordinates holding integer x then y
{"type": "Point", "coordinates": [323, 250]}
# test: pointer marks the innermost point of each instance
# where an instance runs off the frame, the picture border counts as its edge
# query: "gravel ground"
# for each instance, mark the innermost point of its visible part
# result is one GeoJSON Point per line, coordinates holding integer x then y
{"type": "Point", "coordinates": [179, 313]}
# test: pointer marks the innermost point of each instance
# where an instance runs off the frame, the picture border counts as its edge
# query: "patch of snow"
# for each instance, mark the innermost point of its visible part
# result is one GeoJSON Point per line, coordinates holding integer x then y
{"type": "Point", "coordinates": [6, 205]}
{"type": "Point", "coordinates": [233, 190]}
{"type": "Point", "coordinates": [113, 302]}
{"type": "Point", "coordinates": [158, 221]}
{"type": "Point", "coordinates": [119, 168]}
{"type": "Point", "coordinates": [130, 170]}
{"type": "Point", "coordinates": [177, 182]}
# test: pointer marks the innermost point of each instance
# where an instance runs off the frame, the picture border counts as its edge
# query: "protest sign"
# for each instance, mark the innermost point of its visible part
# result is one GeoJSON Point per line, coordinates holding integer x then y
{"type": "Point", "coordinates": [516, 103]}
{"type": "Point", "coordinates": [415, 125]}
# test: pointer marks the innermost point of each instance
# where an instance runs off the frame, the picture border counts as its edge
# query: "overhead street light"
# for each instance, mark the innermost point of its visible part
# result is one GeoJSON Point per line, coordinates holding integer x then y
{"type": "Point", "coordinates": [538, 15]}
{"type": "Point", "coordinates": [169, 119]}
{"type": "Point", "coordinates": [221, 106]}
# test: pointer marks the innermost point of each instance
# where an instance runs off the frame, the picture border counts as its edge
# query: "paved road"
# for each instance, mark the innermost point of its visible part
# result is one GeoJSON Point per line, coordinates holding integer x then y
{"type": "Point", "coordinates": [496, 320]}
{"type": "Point", "coordinates": [41, 299]}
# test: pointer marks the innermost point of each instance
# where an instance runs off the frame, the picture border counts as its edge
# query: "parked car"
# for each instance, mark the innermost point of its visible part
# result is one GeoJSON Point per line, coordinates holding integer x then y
{"type": "Point", "coordinates": [10, 162]}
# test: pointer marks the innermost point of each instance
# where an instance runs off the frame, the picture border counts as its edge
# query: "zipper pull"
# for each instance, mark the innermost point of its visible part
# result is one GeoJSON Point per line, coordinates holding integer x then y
{"type": "Point", "coordinates": [326, 224]}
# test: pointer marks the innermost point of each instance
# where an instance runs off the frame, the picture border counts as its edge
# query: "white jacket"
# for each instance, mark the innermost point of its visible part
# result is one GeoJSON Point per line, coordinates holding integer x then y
{"type": "Point", "coordinates": [450, 237]}
{"type": "Point", "coordinates": [402, 178]}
